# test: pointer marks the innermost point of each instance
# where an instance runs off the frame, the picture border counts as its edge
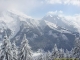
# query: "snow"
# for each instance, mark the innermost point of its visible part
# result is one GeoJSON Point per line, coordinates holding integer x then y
{"type": "Point", "coordinates": [76, 25]}
{"type": "Point", "coordinates": [64, 31]}
{"type": "Point", "coordinates": [51, 25]}
{"type": "Point", "coordinates": [36, 54]}
{"type": "Point", "coordinates": [64, 37]}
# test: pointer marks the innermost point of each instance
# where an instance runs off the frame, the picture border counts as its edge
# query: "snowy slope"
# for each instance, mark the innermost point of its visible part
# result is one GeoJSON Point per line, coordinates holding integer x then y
{"type": "Point", "coordinates": [51, 25]}
{"type": "Point", "coordinates": [12, 20]}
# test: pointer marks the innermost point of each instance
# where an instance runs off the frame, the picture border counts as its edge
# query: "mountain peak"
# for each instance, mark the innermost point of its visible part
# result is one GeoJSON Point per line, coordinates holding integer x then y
{"type": "Point", "coordinates": [63, 22]}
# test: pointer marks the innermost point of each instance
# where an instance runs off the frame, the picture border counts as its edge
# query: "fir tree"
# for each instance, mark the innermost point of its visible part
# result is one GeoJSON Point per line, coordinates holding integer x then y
{"type": "Point", "coordinates": [77, 48]}
{"type": "Point", "coordinates": [55, 52]}
{"type": "Point", "coordinates": [67, 54]}
{"type": "Point", "coordinates": [6, 53]}
{"type": "Point", "coordinates": [14, 51]}
{"type": "Point", "coordinates": [25, 52]}
{"type": "Point", "coordinates": [61, 53]}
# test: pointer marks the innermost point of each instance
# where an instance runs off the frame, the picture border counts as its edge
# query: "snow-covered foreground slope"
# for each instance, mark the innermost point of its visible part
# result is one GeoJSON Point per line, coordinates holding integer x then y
{"type": "Point", "coordinates": [10, 51]}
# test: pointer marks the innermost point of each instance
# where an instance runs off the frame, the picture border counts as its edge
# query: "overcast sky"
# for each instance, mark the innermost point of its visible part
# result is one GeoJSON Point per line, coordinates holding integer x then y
{"type": "Point", "coordinates": [39, 8]}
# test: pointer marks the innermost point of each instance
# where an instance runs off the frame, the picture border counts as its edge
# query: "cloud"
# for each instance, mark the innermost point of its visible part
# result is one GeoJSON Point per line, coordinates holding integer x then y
{"type": "Point", "coordinates": [68, 2]}
{"type": "Point", "coordinates": [75, 17]}
{"type": "Point", "coordinates": [23, 5]}
{"type": "Point", "coordinates": [53, 1]}
{"type": "Point", "coordinates": [60, 13]}
{"type": "Point", "coordinates": [32, 6]}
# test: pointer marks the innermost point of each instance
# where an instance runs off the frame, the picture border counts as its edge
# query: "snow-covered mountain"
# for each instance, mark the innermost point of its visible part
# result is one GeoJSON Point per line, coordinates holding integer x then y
{"type": "Point", "coordinates": [42, 33]}
{"type": "Point", "coordinates": [63, 21]}
{"type": "Point", "coordinates": [12, 20]}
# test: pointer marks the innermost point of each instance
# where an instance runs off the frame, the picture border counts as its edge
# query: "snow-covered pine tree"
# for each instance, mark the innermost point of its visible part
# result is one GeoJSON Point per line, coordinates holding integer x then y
{"type": "Point", "coordinates": [14, 51]}
{"type": "Point", "coordinates": [25, 50]}
{"type": "Point", "coordinates": [6, 53]}
{"type": "Point", "coordinates": [77, 48]}
{"type": "Point", "coordinates": [67, 54]}
{"type": "Point", "coordinates": [72, 53]}
{"type": "Point", "coordinates": [40, 57]}
{"type": "Point", "coordinates": [47, 55]}
{"type": "Point", "coordinates": [55, 52]}
{"type": "Point", "coordinates": [61, 53]}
